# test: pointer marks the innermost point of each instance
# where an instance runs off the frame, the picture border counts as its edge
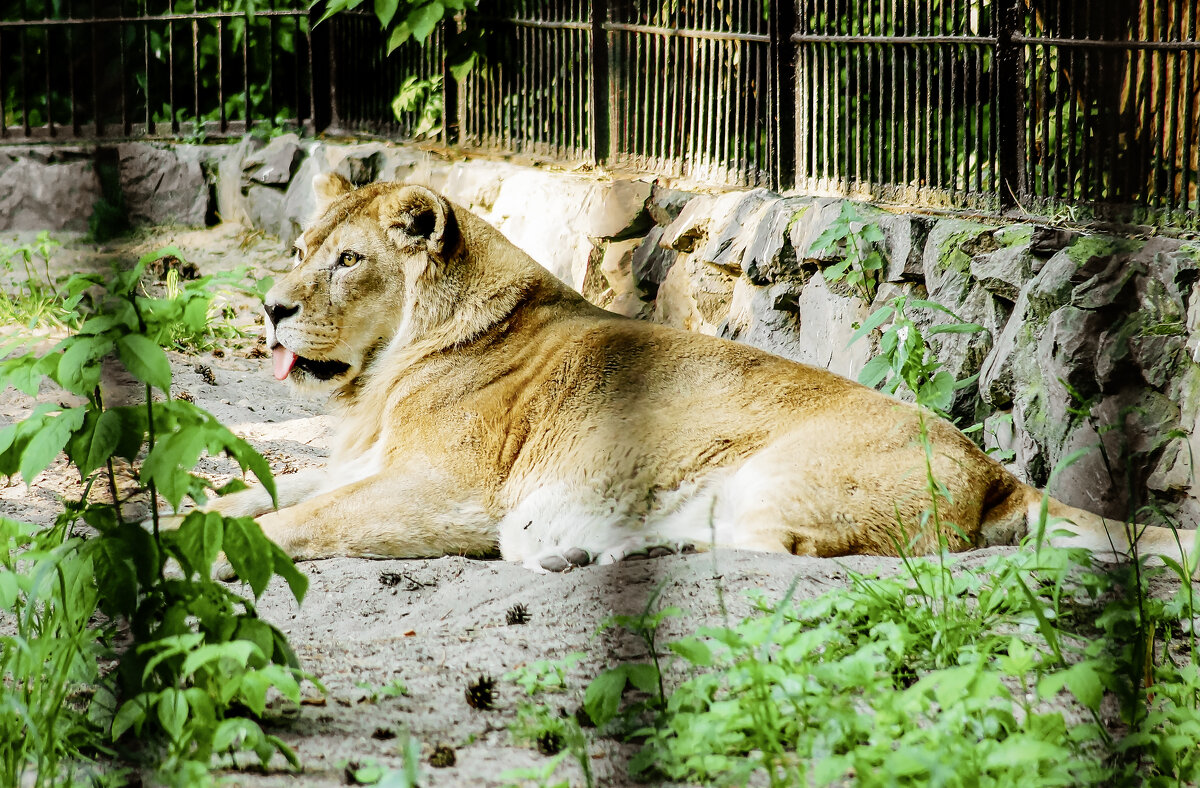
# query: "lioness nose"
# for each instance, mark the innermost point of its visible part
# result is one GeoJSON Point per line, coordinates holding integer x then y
{"type": "Point", "coordinates": [277, 311]}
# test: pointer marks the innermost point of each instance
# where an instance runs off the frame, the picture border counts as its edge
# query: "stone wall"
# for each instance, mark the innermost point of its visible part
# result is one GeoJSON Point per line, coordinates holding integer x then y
{"type": "Point", "coordinates": [1092, 342]}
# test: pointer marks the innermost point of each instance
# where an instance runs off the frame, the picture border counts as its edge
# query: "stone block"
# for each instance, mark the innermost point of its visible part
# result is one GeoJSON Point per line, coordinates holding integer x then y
{"type": "Point", "coordinates": [47, 194]}
{"type": "Point", "coordinates": [650, 263]}
{"type": "Point", "coordinates": [160, 186]}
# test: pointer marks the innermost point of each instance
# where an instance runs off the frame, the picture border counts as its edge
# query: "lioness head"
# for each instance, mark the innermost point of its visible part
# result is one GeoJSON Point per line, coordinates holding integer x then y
{"type": "Point", "coordinates": [353, 284]}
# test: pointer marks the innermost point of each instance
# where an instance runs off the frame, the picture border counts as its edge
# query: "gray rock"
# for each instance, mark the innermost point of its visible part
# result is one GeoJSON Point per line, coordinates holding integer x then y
{"type": "Point", "coordinates": [1066, 356]}
{"type": "Point", "coordinates": [617, 265]}
{"type": "Point", "coordinates": [805, 322]}
{"type": "Point", "coordinates": [963, 355]}
{"type": "Point", "coordinates": [274, 164]}
{"type": "Point", "coordinates": [768, 254]}
{"type": "Point", "coordinates": [727, 236]}
{"type": "Point", "coordinates": [1003, 271]}
{"type": "Point", "coordinates": [694, 296]}
{"type": "Point", "coordinates": [618, 210]}
{"type": "Point", "coordinates": [698, 215]}
{"type": "Point", "coordinates": [946, 260]}
{"type": "Point", "coordinates": [766, 318]}
{"type": "Point", "coordinates": [666, 204]}
{"type": "Point", "coordinates": [808, 226]}
{"type": "Point", "coordinates": [231, 198]}
{"type": "Point", "coordinates": [906, 237]}
{"type": "Point", "coordinates": [650, 263]}
{"type": "Point", "coordinates": [47, 195]}
{"type": "Point", "coordinates": [1045, 241]}
{"type": "Point", "coordinates": [160, 186]}
{"type": "Point", "coordinates": [264, 207]}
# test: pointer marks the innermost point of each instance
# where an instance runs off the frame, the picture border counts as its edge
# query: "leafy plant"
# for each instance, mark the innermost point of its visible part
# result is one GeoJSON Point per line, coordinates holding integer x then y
{"type": "Point", "coordinates": [906, 358]}
{"type": "Point", "coordinates": [545, 675]}
{"type": "Point", "coordinates": [858, 243]}
{"type": "Point", "coordinates": [425, 97]}
{"type": "Point", "coordinates": [34, 301]}
{"type": "Point", "coordinates": [195, 678]}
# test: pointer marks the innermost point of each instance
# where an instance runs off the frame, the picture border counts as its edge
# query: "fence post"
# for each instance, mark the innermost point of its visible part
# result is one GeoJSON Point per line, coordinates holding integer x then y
{"type": "Point", "coordinates": [600, 118]}
{"type": "Point", "coordinates": [319, 83]}
{"type": "Point", "coordinates": [1010, 108]}
{"type": "Point", "coordinates": [449, 83]}
{"type": "Point", "coordinates": [781, 25]}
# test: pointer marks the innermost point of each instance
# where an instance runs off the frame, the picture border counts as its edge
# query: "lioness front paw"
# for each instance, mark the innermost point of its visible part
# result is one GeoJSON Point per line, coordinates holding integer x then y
{"type": "Point", "coordinates": [568, 559]}
{"type": "Point", "coordinates": [647, 552]}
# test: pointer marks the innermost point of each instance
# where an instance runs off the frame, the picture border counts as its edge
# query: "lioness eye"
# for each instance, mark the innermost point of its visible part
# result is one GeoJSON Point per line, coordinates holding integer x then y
{"type": "Point", "coordinates": [347, 259]}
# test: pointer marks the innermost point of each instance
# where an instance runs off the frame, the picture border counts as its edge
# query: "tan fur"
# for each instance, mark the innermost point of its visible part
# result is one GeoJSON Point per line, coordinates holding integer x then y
{"type": "Point", "coordinates": [488, 406]}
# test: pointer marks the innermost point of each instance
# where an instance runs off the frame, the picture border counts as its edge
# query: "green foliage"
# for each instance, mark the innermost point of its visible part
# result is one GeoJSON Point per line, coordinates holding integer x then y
{"type": "Point", "coordinates": [545, 675]}
{"type": "Point", "coordinates": [414, 21]}
{"type": "Point", "coordinates": [858, 243]}
{"type": "Point", "coordinates": [370, 772]}
{"type": "Point", "coordinates": [934, 676]}
{"type": "Point", "coordinates": [194, 681]}
{"type": "Point", "coordinates": [906, 358]}
{"type": "Point", "coordinates": [33, 301]}
{"type": "Point", "coordinates": [425, 97]}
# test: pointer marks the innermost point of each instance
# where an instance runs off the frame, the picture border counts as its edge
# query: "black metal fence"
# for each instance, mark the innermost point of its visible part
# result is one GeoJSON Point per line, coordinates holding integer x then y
{"type": "Point", "coordinates": [94, 69]}
{"type": "Point", "coordinates": [1086, 106]}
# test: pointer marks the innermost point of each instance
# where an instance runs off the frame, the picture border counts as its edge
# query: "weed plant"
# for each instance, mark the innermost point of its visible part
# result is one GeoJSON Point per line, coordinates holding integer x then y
{"type": "Point", "coordinates": [31, 301]}
{"type": "Point", "coordinates": [187, 665]}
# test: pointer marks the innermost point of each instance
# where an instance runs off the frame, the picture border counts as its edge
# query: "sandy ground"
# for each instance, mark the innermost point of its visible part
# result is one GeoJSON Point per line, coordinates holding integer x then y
{"type": "Point", "coordinates": [432, 624]}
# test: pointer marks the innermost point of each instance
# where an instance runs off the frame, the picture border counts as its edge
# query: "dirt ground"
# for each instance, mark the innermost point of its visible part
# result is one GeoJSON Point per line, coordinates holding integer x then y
{"type": "Point", "coordinates": [432, 624]}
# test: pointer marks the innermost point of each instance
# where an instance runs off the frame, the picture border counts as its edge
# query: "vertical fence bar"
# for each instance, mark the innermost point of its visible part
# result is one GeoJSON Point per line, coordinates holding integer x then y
{"type": "Point", "coordinates": [783, 142]}
{"type": "Point", "coordinates": [1010, 120]}
{"type": "Point", "coordinates": [601, 117]}
{"type": "Point", "coordinates": [450, 91]}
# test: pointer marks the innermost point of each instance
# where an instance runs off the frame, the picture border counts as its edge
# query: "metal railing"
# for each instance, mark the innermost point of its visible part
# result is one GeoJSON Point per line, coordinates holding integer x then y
{"type": "Point", "coordinates": [1085, 106]}
{"type": "Point", "coordinates": [95, 69]}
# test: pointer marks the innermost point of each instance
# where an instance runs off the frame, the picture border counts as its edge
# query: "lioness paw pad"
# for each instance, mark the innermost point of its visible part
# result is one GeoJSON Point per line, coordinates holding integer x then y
{"type": "Point", "coordinates": [570, 558]}
{"type": "Point", "coordinates": [657, 551]}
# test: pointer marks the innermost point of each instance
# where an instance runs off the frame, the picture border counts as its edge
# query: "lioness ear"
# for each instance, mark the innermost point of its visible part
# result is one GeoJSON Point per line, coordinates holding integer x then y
{"type": "Point", "coordinates": [327, 187]}
{"type": "Point", "coordinates": [415, 214]}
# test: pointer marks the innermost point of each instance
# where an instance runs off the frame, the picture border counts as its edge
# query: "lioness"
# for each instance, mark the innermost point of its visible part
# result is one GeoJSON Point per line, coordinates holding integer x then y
{"type": "Point", "coordinates": [483, 404]}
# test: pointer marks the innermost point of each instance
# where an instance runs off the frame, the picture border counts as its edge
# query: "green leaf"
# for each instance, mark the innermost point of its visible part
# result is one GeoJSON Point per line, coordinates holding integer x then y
{"type": "Point", "coordinates": [401, 33]}
{"type": "Point", "coordinates": [131, 715]}
{"type": "Point", "coordinates": [92, 446]}
{"type": "Point", "coordinates": [172, 712]}
{"type": "Point", "coordinates": [168, 463]}
{"type": "Point", "coordinates": [79, 366]}
{"type": "Point", "coordinates": [602, 698]}
{"type": "Point", "coordinates": [955, 328]}
{"type": "Point", "coordinates": [938, 394]}
{"type": "Point", "coordinates": [239, 651]}
{"type": "Point", "coordinates": [644, 676]}
{"type": "Point", "coordinates": [424, 19]}
{"type": "Point", "coordinates": [461, 69]}
{"type": "Point", "coordinates": [874, 371]}
{"type": "Point", "coordinates": [877, 318]}
{"type": "Point", "coordinates": [145, 360]}
{"type": "Point", "coordinates": [21, 373]}
{"type": "Point", "coordinates": [385, 10]}
{"type": "Point", "coordinates": [283, 566]}
{"type": "Point", "coordinates": [249, 552]}
{"type": "Point", "coordinates": [115, 577]}
{"type": "Point", "coordinates": [132, 422]}
{"type": "Point", "coordinates": [694, 651]}
{"type": "Point", "coordinates": [45, 446]}
{"type": "Point", "coordinates": [198, 541]}
{"type": "Point", "coordinates": [1084, 682]}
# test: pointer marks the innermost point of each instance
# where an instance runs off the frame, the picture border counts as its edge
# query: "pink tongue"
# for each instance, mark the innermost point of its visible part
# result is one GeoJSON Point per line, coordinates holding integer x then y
{"type": "Point", "coordinates": [284, 359]}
